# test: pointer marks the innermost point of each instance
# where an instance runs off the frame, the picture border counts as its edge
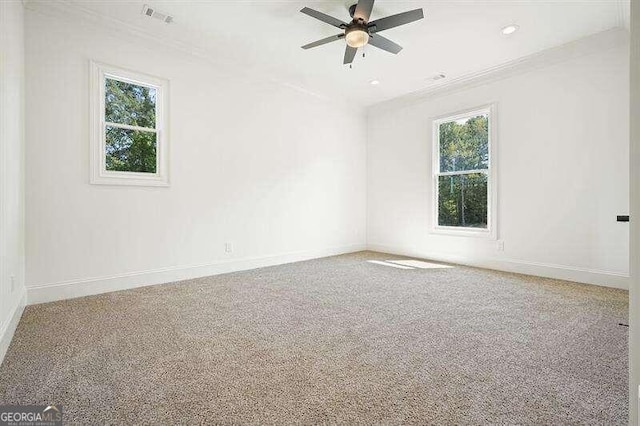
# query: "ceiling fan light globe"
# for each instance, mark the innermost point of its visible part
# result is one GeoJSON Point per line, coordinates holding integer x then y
{"type": "Point", "coordinates": [357, 38]}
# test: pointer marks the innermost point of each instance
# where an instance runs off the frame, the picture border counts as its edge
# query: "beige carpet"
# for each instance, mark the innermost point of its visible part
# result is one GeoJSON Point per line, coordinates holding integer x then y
{"type": "Point", "coordinates": [333, 340]}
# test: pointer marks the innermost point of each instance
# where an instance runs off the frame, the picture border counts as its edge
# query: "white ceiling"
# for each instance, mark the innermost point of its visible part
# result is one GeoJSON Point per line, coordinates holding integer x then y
{"type": "Point", "coordinates": [457, 38]}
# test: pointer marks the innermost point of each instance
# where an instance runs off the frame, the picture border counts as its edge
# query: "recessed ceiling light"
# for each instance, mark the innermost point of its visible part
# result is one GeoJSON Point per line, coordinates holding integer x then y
{"type": "Point", "coordinates": [510, 29]}
{"type": "Point", "coordinates": [374, 82]}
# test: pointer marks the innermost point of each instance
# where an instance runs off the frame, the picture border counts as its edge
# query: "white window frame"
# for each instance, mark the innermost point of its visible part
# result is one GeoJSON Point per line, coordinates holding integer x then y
{"type": "Point", "coordinates": [98, 170]}
{"type": "Point", "coordinates": [491, 232]}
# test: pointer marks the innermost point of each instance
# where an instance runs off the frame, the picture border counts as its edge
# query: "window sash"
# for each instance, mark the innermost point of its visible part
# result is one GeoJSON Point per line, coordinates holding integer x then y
{"type": "Point", "coordinates": [474, 229]}
{"type": "Point", "coordinates": [103, 102]}
{"type": "Point", "coordinates": [455, 118]}
{"type": "Point", "coordinates": [107, 124]}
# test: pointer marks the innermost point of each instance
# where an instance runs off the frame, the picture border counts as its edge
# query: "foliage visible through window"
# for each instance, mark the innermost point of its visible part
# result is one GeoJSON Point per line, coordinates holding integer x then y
{"type": "Point", "coordinates": [462, 178]}
{"type": "Point", "coordinates": [130, 127]}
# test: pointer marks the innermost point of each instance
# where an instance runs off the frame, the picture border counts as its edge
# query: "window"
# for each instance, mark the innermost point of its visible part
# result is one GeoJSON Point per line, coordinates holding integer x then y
{"type": "Point", "coordinates": [129, 141]}
{"type": "Point", "coordinates": [464, 186]}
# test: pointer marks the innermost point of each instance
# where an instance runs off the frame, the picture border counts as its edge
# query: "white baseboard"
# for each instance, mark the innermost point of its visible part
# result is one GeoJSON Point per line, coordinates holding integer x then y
{"type": "Point", "coordinates": [6, 334]}
{"type": "Point", "coordinates": [561, 272]}
{"type": "Point", "coordinates": [90, 286]}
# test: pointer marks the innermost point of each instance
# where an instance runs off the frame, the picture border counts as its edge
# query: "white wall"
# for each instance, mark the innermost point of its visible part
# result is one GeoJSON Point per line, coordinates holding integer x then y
{"type": "Point", "coordinates": [562, 164]}
{"type": "Point", "coordinates": [634, 283]}
{"type": "Point", "coordinates": [11, 169]}
{"type": "Point", "coordinates": [278, 173]}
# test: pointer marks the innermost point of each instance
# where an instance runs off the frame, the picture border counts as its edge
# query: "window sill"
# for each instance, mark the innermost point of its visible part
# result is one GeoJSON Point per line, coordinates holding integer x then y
{"type": "Point", "coordinates": [464, 232]}
{"type": "Point", "coordinates": [129, 179]}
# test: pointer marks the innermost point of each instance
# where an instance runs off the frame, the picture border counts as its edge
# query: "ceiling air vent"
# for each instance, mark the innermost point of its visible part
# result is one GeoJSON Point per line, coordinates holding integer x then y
{"type": "Point", "coordinates": [153, 13]}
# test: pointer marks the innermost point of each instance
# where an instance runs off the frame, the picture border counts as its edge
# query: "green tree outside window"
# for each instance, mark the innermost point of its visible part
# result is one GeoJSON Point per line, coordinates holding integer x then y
{"type": "Point", "coordinates": [130, 138]}
{"type": "Point", "coordinates": [463, 175]}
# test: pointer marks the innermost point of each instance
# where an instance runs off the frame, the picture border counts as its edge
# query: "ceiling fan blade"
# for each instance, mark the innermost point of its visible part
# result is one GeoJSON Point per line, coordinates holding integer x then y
{"type": "Point", "coordinates": [384, 43]}
{"type": "Point", "coordinates": [324, 17]}
{"type": "Point", "coordinates": [323, 41]}
{"type": "Point", "coordinates": [363, 10]}
{"type": "Point", "coordinates": [395, 20]}
{"type": "Point", "coordinates": [349, 54]}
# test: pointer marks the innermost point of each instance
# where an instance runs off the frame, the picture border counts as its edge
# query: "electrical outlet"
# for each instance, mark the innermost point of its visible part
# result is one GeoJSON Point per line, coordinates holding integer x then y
{"type": "Point", "coordinates": [13, 283]}
{"type": "Point", "coordinates": [500, 245]}
{"type": "Point", "coordinates": [228, 248]}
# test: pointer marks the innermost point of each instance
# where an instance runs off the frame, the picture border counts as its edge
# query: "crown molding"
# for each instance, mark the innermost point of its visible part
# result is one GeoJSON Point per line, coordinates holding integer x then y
{"type": "Point", "coordinates": [69, 10]}
{"type": "Point", "coordinates": [74, 12]}
{"type": "Point", "coordinates": [601, 41]}
{"type": "Point", "coordinates": [623, 10]}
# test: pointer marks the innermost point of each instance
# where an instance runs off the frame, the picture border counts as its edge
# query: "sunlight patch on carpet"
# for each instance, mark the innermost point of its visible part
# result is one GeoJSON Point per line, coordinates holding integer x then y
{"type": "Point", "coordinates": [420, 264]}
{"type": "Point", "coordinates": [393, 265]}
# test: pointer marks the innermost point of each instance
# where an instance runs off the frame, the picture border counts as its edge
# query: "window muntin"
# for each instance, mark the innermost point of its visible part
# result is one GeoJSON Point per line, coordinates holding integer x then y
{"type": "Point", "coordinates": [129, 141]}
{"type": "Point", "coordinates": [462, 177]}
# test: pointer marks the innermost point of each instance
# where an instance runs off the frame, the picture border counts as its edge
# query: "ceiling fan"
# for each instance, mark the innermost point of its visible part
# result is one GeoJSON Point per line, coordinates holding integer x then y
{"type": "Point", "coordinates": [360, 31]}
